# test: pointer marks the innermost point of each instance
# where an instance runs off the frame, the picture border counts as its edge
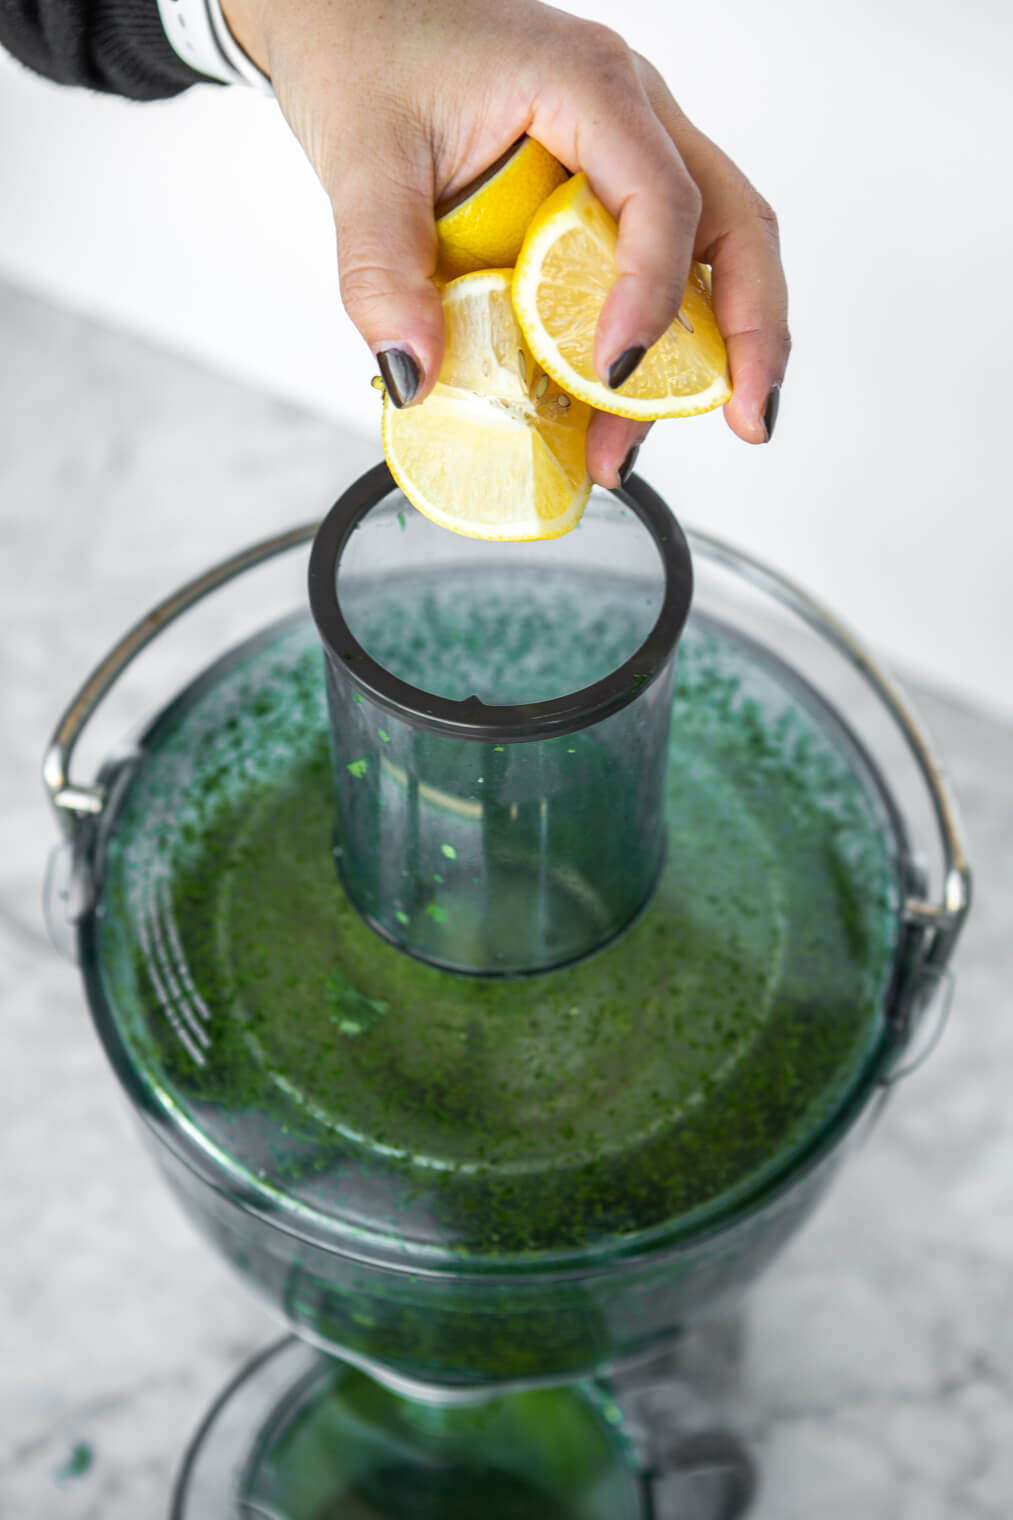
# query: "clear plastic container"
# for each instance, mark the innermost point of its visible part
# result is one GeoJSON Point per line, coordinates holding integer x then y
{"type": "Point", "coordinates": [499, 725]}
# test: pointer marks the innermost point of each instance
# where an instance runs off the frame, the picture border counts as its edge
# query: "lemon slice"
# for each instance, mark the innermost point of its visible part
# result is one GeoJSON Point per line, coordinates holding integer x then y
{"type": "Point", "coordinates": [496, 450]}
{"type": "Point", "coordinates": [485, 227]}
{"type": "Point", "coordinates": [565, 270]}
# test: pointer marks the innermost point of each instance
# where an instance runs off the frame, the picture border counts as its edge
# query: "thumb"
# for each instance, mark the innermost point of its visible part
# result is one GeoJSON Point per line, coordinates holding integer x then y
{"type": "Point", "coordinates": [386, 259]}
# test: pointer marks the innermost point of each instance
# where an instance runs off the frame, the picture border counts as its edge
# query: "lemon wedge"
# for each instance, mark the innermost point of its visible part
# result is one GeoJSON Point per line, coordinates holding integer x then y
{"type": "Point", "coordinates": [496, 450]}
{"type": "Point", "coordinates": [485, 228]}
{"type": "Point", "coordinates": [565, 270]}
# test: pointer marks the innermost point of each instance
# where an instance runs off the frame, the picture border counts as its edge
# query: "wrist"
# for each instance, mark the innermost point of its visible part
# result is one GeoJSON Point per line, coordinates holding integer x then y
{"type": "Point", "coordinates": [244, 19]}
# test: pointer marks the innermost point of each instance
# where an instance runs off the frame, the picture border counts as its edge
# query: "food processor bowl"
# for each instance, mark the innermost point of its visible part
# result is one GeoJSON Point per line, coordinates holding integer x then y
{"type": "Point", "coordinates": [478, 1186]}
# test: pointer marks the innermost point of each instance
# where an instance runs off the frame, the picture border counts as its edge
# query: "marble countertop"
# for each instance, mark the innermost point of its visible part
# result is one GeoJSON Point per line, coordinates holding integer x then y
{"type": "Point", "coordinates": [872, 1369]}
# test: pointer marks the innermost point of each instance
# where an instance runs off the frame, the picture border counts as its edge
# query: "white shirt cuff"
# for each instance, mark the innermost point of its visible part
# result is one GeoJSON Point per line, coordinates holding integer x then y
{"type": "Point", "coordinates": [198, 33]}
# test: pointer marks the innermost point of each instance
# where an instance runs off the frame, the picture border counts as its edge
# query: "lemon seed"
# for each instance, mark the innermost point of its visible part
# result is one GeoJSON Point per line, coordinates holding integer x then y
{"type": "Point", "coordinates": [562, 402]}
{"type": "Point", "coordinates": [684, 321]}
{"type": "Point", "coordinates": [522, 367]}
{"type": "Point", "coordinates": [541, 387]}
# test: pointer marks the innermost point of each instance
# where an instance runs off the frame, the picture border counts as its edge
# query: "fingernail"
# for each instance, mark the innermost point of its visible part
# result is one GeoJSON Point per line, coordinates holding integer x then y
{"type": "Point", "coordinates": [622, 368]}
{"type": "Point", "coordinates": [401, 375]}
{"type": "Point", "coordinates": [770, 414]}
{"type": "Point", "coordinates": [626, 468]}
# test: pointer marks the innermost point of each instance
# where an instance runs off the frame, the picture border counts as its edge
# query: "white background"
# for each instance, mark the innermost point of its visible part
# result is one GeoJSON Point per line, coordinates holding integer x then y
{"type": "Point", "coordinates": [881, 134]}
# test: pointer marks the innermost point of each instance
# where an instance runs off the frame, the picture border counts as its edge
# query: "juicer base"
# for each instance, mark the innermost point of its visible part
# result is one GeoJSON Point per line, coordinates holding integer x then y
{"type": "Point", "coordinates": [301, 1436]}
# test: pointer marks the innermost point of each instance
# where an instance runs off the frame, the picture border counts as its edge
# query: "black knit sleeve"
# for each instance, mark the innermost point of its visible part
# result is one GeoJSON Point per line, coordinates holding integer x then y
{"type": "Point", "coordinates": [116, 46]}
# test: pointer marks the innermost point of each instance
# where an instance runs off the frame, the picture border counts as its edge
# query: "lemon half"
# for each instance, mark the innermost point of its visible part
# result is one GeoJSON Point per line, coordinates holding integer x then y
{"type": "Point", "coordinates": [565, 271]}
{"type": "Point", "coordinates": [486, 227]}
{"type": "Point", "coordinates": [496, 450]}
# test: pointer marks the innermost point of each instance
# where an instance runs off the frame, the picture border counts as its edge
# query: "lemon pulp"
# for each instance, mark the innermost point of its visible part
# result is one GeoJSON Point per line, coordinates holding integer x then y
{"type": "Point", "coordinates": [497, 449]}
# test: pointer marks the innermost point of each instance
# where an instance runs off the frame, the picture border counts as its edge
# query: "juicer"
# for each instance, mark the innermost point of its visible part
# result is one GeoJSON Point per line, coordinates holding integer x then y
{"type": "Point", "coordinates": [500, 962]}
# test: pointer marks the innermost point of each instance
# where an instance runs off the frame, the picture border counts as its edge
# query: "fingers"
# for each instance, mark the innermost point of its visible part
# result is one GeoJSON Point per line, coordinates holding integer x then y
{"type": "Point", "coordinates": [605, 125]}
{"type": "Point", "coordinates": [657, 207]}
{"type": "Point", "coordinates": [386, 258]}
{"type": "Point", "coordinates": [612, 446]}
{"type": "Point", "coordinates": [750, 303]}
{"type": "Point", "coordinates": [737, 235]}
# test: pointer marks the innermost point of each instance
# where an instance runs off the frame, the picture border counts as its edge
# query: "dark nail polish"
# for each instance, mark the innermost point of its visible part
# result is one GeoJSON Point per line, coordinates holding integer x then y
{"type": "Point", "coordinates": [622, 368]}
{"type": "Point", "coordinates": [400, 374]}
{"type": "Point", "coordinates": [626, 468]}
{"type": "Point", "coordinates": [770, 414]}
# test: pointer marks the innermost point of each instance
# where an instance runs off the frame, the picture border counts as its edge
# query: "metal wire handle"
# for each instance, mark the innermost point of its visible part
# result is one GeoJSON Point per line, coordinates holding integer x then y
{"type": "Point", "coordinates": [70, 800]}
{"type": "Point", "coordinates": [941, 922]}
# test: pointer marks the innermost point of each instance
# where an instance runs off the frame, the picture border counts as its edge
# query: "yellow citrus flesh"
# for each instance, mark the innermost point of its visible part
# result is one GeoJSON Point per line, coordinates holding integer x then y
{"type": "Point", "coordinates": [565, 270]}
{"type": "Point", "coordinates": [489, 454]}
{"type": "Point", "coordinates": [486, 229]}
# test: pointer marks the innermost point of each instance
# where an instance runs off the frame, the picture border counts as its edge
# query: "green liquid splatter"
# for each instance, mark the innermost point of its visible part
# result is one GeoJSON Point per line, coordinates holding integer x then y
{"type": "Point", "coordinates": [78, 1462]}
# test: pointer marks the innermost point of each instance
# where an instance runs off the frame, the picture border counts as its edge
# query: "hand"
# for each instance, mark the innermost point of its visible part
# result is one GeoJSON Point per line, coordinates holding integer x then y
{"type": "Point", "coordinates": [400, 104]}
